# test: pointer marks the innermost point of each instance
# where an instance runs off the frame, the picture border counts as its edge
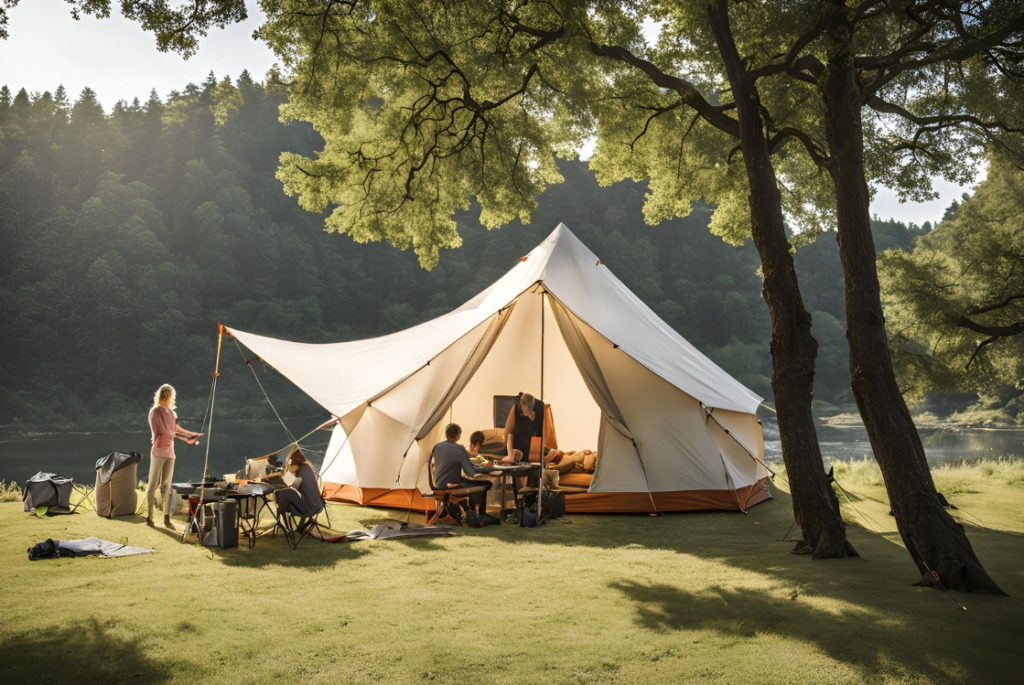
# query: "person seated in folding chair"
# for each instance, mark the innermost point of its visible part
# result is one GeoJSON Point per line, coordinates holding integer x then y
{"type": "Point", "coordinates": [302, 499]}
{"type": "Point", "coordinates": [453, 468]}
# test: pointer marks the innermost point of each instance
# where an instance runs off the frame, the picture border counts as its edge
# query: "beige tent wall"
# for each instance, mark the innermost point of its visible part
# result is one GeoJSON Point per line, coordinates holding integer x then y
{"type": "Point", "coordinates": [740, 436]}
{"type": "Point", "coordinates": [675, 448]}
{"type": "Point", "coordinates": [619, 468]}
{"type": "Point", "coordinates": [339, 463]}
{"type": "Point", "coordinates": [513, 366]}
{"type": "Point", "coordinates": [387, 429]}
{"type": "Point", "coordinates": [414, 472]}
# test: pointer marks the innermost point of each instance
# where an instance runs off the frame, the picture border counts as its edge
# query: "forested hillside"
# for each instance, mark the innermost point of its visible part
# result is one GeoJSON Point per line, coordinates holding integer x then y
{"type": "Point", "coordinates": [127, 235]}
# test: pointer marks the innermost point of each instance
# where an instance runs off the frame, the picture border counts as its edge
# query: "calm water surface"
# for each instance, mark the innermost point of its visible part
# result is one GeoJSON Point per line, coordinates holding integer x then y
{"type": "Point", "coordinates": [75, 455]}
{"type": "Point", "coordinates": [940, 445]}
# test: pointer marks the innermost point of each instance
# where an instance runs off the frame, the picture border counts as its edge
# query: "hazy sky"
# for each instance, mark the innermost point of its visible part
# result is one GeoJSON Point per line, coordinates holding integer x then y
{"type": "Point", "coordinates": [119, 61]}
{"type": "Point", "coordinates": [114, 56]}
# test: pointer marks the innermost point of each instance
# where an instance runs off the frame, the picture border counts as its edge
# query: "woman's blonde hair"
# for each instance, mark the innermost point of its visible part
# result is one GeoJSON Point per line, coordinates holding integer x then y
{"type": "Point", "coordinates": [166, 391]}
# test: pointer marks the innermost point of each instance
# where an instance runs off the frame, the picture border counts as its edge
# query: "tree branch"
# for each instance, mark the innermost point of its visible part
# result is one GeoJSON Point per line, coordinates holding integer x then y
{"type": "Point", "coordinates": [954, 50]}
{"type": "Point", "coordinates": [690, 96]}
{"type": "Point", "coordinates": [993, 307]}
{"type": "Point", "coordinates": [979, 348]}
{"type": "Point", "coordinates": [1007, 331]}
{"type": "Point", "coordinates": [879, 105]}
{"type": "Point", "coordinates": [818, 155]}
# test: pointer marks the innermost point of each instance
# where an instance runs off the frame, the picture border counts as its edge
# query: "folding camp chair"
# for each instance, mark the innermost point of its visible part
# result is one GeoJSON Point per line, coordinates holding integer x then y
{"type": "Point", "coordinates": [297, 528]}
{"type": "Point", "coordinates": [447, 502]}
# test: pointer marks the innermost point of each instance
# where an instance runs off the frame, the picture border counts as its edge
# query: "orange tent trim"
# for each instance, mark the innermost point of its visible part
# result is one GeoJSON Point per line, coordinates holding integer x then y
{"type": "Point", "coordinates": [576, 503]}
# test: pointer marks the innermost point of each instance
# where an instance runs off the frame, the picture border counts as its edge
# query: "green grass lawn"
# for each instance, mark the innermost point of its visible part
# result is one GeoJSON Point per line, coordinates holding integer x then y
{"type": "Point", "coordinates": [710, 597]}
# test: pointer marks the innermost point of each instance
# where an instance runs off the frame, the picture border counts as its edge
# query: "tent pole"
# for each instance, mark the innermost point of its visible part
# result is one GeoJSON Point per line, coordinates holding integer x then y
{"type": "Point", "coordinates": [206, 459]}
{"type": "Point", "coordinates": [543, 413]}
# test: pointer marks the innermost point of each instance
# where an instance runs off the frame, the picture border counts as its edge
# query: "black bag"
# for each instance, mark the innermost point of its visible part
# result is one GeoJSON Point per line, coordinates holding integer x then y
{"type": "Point", "coordinates": [475, 520]}
{"type": "Point", "coordinates": [48, 490]}
{"type": "Point", "coordinates": [48, 549]}
{"type": "Point", "coordinates": [554, 504]}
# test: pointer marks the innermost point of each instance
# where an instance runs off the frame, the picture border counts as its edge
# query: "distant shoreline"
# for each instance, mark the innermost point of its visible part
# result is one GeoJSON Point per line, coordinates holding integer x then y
{"type": "Point", "coordinates": [928, 421]}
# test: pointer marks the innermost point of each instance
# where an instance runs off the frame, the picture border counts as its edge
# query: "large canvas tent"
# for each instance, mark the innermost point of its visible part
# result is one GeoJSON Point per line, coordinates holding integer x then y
{"type": "Point", "coordinates": [674, 432]}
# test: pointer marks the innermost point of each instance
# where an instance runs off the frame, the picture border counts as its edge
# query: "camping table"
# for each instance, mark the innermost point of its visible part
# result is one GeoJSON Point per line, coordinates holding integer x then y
{"type": "Point", "coordinates": [259, 494]}
{"type": "Point", "coordinates": [511, 472]}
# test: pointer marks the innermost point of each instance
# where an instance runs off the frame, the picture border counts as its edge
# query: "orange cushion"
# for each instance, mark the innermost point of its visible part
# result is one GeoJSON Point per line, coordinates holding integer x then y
{"type": "Point", "coordinates": [576, 480]}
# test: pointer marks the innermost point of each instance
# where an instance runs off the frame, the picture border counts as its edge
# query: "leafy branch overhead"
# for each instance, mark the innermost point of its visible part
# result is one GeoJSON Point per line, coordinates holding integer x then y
{"type": "Point", "coordinates": [426, 105]}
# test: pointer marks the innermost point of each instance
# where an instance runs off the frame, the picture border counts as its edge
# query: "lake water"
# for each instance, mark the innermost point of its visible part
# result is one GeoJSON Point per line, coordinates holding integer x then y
{"type": "Point", "coordinates": [966, 444]}
{"type": "Point", "coordinates": [75, 455]}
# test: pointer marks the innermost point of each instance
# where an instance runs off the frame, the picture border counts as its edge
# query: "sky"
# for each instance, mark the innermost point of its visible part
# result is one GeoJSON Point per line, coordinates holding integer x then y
{"type": "Point", "coordinates": [119, 61]}
{"type": "Point", "coordinates": [114, 56]}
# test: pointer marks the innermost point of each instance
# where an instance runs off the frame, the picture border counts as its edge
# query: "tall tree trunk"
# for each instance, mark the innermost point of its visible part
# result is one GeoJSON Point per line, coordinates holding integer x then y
{"type": "Point", "coordinates": [793, 348]}
{"type": "Point", "coordinates": [935, 541]}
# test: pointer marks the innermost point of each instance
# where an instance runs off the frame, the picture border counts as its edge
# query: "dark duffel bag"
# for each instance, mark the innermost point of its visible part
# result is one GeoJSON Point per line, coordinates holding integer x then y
{"type": "Point", "coordinates": [48, 549]}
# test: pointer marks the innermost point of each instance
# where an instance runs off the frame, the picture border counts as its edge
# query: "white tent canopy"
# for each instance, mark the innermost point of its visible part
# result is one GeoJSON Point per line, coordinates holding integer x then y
{"type": "Point", "coordinates": [663, 417]}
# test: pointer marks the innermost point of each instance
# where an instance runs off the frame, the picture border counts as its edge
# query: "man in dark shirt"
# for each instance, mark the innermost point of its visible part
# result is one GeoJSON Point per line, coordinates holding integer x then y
{"type": "Point", "coordinates": [451, 461]}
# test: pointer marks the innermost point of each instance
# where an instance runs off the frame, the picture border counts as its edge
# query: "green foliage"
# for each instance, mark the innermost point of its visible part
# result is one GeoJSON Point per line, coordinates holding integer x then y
{"type": "Point", "coordinates": [954, 302]}
{"type": "Point", "coordinates": [951, 478]}
{"type": "Point", "coordinates": [420, 110]}
{"type": "Point", "coordinates": [423, 106]}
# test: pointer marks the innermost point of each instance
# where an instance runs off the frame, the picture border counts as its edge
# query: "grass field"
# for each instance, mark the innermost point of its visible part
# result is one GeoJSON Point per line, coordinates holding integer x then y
{"type": "Point", "coordinates": [709, 597]}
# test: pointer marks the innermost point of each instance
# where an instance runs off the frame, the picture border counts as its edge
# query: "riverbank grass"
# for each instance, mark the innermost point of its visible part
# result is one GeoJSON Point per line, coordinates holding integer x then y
{"type": "Point", "coordinates": [708, 597]}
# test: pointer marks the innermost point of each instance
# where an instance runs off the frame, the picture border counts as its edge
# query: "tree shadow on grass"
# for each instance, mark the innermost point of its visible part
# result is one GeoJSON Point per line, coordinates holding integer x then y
{"type": "Point", "coordinates": [80, 652]}
{"type": "Point", "coordinates": [861, 639]}
{"type": "Point", "coordinates": [862, 612]}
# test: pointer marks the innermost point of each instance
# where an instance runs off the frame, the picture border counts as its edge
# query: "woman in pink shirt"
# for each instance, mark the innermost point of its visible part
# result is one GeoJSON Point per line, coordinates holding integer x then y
{"type": "Point", "coordinates": [163, 424]}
